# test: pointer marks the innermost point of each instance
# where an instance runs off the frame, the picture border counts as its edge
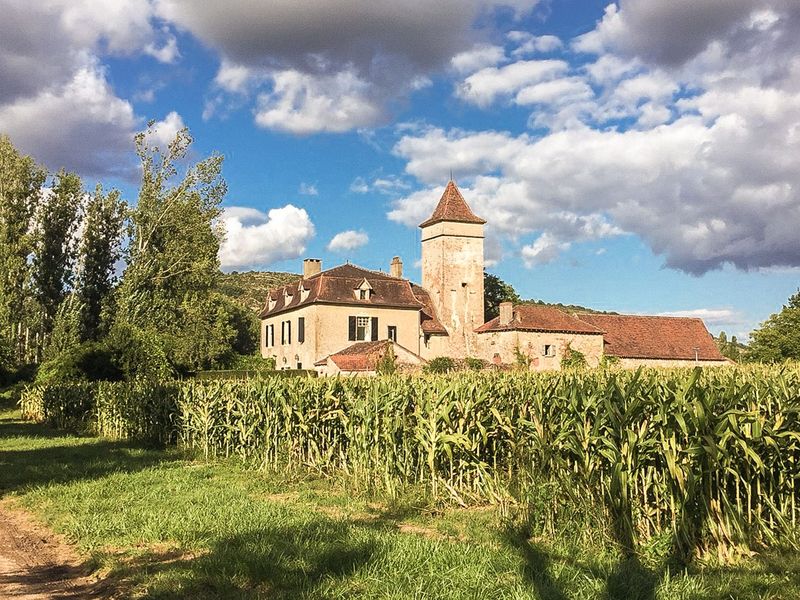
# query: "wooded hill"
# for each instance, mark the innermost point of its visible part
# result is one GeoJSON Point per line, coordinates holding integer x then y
{"type": "Point", "coordinates": [249, 288]}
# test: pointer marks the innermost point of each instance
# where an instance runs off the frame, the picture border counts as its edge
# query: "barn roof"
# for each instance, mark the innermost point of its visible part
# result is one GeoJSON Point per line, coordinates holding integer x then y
{"type": "Point", "coordinates": [362, 356]}
{"type": "Point", "coordinates": [535, 317]}
{"type": "Point", "coordinates": [671, 338]}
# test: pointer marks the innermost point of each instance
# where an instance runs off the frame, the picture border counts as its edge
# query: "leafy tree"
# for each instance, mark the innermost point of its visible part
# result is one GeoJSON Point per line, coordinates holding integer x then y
{"type": "Point", "coordinates": [207, 337]}
{"type": "Point", "coordinates": [495, 291]}
{"type": "Point", "coordinates": [99, 251]}
{"type": "Point", "coordinates": [778, 338]}
{"type": "Point", "coordinates": [732, 348]}
{"type": "Point", "coordinates": [573, 359]}
{"type": "Point", "coordinates": [21, 181]}
{"type": "Point", "coordinates": [54, 246]}
{"type": "Point", "coordinates": [172, 256]}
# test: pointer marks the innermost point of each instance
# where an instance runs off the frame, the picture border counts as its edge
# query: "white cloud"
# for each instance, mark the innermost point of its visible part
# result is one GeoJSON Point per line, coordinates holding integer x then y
{"type": "Point", "coordinates": [348, 240]}
{"type": "Point", "coordinates": [308, 189]}
{"type": "Point", "coordinates": [528, 43]}
{"type": "Point", "coordinates": [389, 185]}
{"type": "Point", "coordinates": [304, 104]}
{"type": "Point", "coordinates": [255, 239]}
{"type": "Point", "coordinates": [543, 250]}
{"type": "Point", "coordinates": [711, 316]}
{"type": "Point", "coordinates": [162, 133]}
{"type": "Point", "coordinates": [478, 57]}
{"type": "Point", "coordinates": [702, 191]}
{"type": "Point", "coordinates": [487, 85]}
{"type": "Point", "coordinates": [359, 186]}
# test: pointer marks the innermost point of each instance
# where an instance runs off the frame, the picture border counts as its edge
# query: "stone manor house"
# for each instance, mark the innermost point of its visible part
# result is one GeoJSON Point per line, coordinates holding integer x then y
{"type": "Point", "coordinates": [344, 319]}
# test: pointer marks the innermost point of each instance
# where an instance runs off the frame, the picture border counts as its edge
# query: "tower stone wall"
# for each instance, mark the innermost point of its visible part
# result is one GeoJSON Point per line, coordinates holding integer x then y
{"type": "Point", "coordinates": [452, 272]}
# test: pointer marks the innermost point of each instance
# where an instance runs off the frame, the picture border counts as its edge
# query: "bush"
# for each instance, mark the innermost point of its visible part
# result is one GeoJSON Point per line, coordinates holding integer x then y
{"type": "Point", "coordinates": [89, 361]}
{"type": "Point", "coordinates": [573, 359]}
{"type": "Point", "coordinates": [440, 364]}
{"type": "Point", "coordinates": [474, 364]}
{"type": "Point", "coordinates": [251, 362]}
{"type": "Point", "coordinates": [387, 364]}
{"type": "Point", "coordinates": [138, 354]}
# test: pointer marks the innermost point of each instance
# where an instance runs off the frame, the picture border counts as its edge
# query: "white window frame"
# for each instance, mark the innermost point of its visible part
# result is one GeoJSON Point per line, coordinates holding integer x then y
{"type": "Point", "coordinates": [364, 324]}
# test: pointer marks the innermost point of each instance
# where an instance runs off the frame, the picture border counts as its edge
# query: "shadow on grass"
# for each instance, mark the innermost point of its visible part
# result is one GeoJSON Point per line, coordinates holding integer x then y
{"type": "Point", "coordinates": [30, 464]}
{"type": "Point", "coordinates": [301, 561]}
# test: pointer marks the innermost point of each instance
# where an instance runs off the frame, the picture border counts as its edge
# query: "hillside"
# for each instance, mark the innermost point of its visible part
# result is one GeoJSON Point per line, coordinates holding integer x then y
{"type": "Point", "coordinates": [249, 288]}
{"type": "Point", "coordinates": [570, 308]}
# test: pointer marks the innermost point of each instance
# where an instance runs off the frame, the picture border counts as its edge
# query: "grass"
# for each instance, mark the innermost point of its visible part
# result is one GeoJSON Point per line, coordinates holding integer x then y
{"type": "Point", "coordinates": [161, 524]}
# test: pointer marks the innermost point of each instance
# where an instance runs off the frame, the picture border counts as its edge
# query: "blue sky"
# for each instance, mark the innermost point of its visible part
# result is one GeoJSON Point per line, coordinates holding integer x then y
{"type": "Point", "coordinates": [639, 156]}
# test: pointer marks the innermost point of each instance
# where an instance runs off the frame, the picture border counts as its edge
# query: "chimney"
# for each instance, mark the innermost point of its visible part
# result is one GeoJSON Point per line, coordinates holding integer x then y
{"type": "Point", "coordinates": [506, 313]}
{"type": "Point", "coordinates": [311, 266]}
{"type": "Point", "coordinates": [396, 268]}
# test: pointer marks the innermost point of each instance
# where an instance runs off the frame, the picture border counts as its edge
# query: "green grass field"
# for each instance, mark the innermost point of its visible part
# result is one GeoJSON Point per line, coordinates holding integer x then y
{"type": "Point", "coordinates": [161, 524]}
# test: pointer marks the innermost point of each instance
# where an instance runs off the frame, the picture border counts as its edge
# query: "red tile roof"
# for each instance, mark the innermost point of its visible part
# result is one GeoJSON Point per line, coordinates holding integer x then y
{"type": "Point", "coordinates": [361, 356]}
{"type": "Point", "coordinates": [452, 207]}
{"type": "Point", "coordinates": [337, 285]}
{"type": "Point", "coordinates": [670, 338]}
{"type": "Point", "coordinates": [535, 317]}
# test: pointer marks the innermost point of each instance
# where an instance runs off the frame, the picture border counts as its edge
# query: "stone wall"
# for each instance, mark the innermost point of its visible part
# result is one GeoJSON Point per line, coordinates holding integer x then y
{"type": "Point", "coordinates": [634, 363]}
{"type": "Point", "coordinates": [452, 272]}
{"type": "Point", "coordinates": [499, 347]}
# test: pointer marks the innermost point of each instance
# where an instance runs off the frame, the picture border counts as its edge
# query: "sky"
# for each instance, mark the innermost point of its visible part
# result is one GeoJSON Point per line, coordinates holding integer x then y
{"type": "Point", "coordinates": [640, 156]}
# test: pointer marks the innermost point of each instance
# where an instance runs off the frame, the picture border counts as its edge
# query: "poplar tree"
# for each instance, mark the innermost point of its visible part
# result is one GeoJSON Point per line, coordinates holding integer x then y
{"type": "Point", "coordinates": [21, 181]}
{"type": "Point", "coordinates": [100, 248]}
{"type": "Point", "coordinates": [54, 247]}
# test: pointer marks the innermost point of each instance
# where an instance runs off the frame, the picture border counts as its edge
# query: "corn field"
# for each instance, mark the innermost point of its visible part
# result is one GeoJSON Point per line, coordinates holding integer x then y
{"type": "Point", "coordinates": [711, 453]}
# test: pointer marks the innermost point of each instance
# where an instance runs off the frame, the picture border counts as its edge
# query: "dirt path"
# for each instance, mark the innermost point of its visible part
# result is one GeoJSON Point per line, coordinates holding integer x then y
{"type": "Point", "coordinates": [37, 565]}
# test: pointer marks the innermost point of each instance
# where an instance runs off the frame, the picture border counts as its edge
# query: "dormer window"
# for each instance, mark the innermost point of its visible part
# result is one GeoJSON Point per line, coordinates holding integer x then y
{"type": "Point", "coordinates": [363, 291]}
{"type": "Point", "coordinates": [287, 296]}
{"type": "Point", "coordinates": [271, 302]}
{"type": "Point", "coordinates": [303, 291]}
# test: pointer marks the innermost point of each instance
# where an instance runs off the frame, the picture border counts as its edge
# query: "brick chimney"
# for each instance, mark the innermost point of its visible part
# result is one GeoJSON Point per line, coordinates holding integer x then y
{"type": "Point", "coordinates": [506, 313]}
{"type": "Point", "coordinates": [311, 266]}
{"type": "Point", "coordinates": [396, 268]}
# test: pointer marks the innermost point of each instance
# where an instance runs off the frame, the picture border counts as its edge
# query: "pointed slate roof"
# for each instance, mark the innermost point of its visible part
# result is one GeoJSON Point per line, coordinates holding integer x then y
{"type": "Point", "coordinates": [452, 207]}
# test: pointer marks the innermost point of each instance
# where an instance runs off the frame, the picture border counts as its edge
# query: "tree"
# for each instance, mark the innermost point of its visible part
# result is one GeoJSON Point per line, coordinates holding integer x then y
{"type": "Point", "coordinates": [99, 251]}
{"type": "Point", "coordinates": [21, 181]}
{"type": "Point", "coordinates": [54, 247]}
{"type": "Point", "coordinates": [172, 256]}
{"type": "Point", "coordinates": [495, 291]}
{"type": "Point", "coordinates": [778, 338]}
{"type": "Point", "coordinates": [730, 348]}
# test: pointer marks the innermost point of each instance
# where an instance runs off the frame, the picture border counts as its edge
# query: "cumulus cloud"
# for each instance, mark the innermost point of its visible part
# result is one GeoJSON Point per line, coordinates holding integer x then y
{"type": "Point", "coordinates": [348, 240]}
{"type": "Point", "coordinates": [702, 192]}
{"type": "Point", "coordinates": [83, 113]}
{"type": "Point", "coordinates": [478, 57]}
{"type": "Point", "coordinates": [256, 239]}
{"type": "Point", "coordinates": [162, 133]}
{"type": "Point", "coordinates": [489, 84]}
{"type": "Point", "coordinates": [55, 96]}
{"type": "Point", "coordinates": [323, 66]}
{"type": "Point", "coordinates": [303, 104]}
{"type": "Point", "coordinates": [527, 43]}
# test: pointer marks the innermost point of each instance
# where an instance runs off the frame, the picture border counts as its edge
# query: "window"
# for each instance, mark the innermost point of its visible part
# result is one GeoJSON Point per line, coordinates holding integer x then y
{"type": "Point", "coordinates": [393, 333]}
{"type": "Point", "coordinates": [299, 366]}
{"type": "Point", "coordinates": [548, 350]}
{"type": "Point", "coordinates": [283, 333]}
{"type": "Point", "coordinates": [288, 332]}
{"type": "Point", "coordinates": [269, 335]}
{"type": "Point", "coordinates": [362, 294]}
{"type": "Point", "coordinates": [362, 328]}
{"type": "Point", "coordinates": [301, 330]}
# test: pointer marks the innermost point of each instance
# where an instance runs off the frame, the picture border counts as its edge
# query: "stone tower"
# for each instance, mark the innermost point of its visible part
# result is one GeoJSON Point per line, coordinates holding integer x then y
{"type": "Point", "coordinates": [452, 270]}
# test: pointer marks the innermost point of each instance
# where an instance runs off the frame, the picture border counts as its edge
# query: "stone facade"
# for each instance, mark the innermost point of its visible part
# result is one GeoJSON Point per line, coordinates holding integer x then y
{"type": "Point", "coordinates": [544, 350]}
{"type": "Point", "coordinates": [452, 272]}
